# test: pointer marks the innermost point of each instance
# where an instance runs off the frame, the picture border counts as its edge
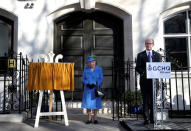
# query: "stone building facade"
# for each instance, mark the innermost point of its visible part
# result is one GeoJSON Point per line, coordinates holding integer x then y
{"type": "Point", "coordinates": [111, 29]}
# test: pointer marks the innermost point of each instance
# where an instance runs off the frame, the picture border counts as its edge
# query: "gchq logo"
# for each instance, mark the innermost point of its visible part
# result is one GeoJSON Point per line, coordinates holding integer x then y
{"type": "Point", "coordinates": [158, 68]}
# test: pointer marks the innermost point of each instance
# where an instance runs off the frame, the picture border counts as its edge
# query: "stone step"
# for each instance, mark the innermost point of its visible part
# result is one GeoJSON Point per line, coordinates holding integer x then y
{"type": "Point", "coordinates": [106, 107]}
{"type": "Point", "coordinates": [12, 117]}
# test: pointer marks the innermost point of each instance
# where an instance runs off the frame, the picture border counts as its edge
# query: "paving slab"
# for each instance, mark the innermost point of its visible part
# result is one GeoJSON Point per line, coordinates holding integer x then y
{"type": "Point", "coordinates": [137, 125]}
{"type": "Point", "coordinates": [76, 123]}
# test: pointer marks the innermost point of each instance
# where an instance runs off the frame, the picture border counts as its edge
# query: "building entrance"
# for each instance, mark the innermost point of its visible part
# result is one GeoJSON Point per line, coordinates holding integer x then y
{"type": "Point", "coordinates": [80, 34]}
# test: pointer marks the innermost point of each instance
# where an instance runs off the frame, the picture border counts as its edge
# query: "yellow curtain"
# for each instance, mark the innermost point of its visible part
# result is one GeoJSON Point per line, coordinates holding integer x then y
{"type": "Point", "coordinates": [45, 76]}
{"type": "Point", "coordinates": [72, 77]}
{"type": "Point", "coordinates": [30, 77]}
{"type": "Point", "coordinates": [51, 76]}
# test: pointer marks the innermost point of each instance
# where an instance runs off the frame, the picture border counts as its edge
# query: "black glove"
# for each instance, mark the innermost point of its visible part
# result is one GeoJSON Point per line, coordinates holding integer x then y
{"type": "Point", "coordinates": [91, 86]}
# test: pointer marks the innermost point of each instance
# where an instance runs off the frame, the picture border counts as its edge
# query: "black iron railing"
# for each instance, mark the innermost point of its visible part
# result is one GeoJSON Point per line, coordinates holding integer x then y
{"type": "Point", "coordinates": [126, 95]}
{"type": "Point", "coordinates": [13, 81]}
{"type": "Point", "coordinates": [127, 101]}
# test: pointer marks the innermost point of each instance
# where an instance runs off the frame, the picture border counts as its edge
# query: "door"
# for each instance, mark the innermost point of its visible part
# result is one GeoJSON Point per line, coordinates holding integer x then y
{"type": "Point", "coordinates": [80, 34]}
{"type": "Point", "coordinates": [5, 43]}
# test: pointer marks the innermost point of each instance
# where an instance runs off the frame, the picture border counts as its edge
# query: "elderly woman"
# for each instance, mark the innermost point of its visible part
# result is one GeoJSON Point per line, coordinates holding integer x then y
{"type": "Point", "coordinates": [92, 79]}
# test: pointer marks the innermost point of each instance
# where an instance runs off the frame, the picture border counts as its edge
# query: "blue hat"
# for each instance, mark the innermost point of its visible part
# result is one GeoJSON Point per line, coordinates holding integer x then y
{"type": "Point", "coordinates": [91, 58]}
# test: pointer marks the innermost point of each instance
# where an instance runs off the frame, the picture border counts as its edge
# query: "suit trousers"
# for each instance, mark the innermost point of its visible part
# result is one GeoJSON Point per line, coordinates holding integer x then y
{"type": "Point", "coordinates": [147, 95]}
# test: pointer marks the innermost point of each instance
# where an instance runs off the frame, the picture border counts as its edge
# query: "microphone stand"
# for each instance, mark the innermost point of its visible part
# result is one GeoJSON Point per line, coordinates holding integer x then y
{"type": "Point", "coordinates": [159, 101]}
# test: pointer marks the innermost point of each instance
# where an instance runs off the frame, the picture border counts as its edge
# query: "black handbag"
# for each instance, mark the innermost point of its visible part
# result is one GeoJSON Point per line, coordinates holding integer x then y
{"type": "Point", "coordinates": [99, 93]}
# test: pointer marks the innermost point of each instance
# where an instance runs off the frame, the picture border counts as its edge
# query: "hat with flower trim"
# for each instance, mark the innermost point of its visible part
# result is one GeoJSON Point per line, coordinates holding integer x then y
{"type": "Point", "coordinates": [91, 58]}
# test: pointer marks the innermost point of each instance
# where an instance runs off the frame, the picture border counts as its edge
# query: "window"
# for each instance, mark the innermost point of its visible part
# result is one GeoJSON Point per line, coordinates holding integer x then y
{"type": "Point", "coordinates": [177, 37]}
{"type": "Point", "coordinates": [176, 24]}
{"type": "Point", "coordinates": [176, 51]}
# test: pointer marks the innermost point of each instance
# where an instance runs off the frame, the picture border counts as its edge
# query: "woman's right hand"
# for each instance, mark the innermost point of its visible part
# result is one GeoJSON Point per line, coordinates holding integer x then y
{"type": "Point", "coordinates": [91, 86]}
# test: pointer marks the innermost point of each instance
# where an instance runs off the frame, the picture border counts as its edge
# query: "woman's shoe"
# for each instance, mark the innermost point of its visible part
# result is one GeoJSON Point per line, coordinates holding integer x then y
{"type": "Point", "coordinates": [95, 122]}
{"type": "Point", "coordinates": [88, 121]}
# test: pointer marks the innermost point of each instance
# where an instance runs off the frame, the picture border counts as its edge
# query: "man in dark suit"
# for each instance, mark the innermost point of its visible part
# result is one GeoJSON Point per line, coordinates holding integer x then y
{"type": "Point", "coordinates": [147, 55]}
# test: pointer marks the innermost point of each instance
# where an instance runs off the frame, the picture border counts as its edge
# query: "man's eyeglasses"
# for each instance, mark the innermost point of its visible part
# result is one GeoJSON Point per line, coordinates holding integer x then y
{"type": "Point", "coordinates": [149, 43]}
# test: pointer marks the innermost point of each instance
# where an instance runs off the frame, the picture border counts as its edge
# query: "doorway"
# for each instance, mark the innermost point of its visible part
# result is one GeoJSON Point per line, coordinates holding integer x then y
{"type": "Point", "coordinates": [82, 33]}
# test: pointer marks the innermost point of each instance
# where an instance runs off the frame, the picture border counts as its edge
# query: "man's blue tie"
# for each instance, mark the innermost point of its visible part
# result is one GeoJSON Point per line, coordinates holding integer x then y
{"type": "Point", "coordinates": [149, 57]}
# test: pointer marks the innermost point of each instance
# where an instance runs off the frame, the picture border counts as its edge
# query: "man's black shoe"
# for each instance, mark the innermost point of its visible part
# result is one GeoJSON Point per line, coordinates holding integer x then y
{"type": "Point", "coordinates": [88, 121]}
{"type": "Point", "coordinates": [151, 121]}
{"type": "Point", "coordinates": [146, 122]}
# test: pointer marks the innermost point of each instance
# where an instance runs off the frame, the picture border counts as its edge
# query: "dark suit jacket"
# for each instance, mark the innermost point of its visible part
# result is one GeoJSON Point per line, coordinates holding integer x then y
{"type": "Point", "coordinates": [141, 62]}
{"type": "Point", "coordinates": [141, 67]}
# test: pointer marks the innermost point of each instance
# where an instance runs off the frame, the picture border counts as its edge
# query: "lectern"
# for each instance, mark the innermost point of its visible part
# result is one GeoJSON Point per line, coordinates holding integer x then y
{"type": "Point", "coordinates": [158, 70]}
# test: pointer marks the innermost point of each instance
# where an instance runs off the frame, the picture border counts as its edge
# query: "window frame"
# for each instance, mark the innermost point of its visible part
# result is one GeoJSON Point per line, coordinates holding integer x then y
{"type": "Point", "coordinates": [179, 35]}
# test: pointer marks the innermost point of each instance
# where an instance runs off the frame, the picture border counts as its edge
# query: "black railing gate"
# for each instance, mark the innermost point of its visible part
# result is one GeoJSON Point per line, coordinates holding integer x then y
{"type": "Point", "coordinates": [13, 78]}
{"type": "Point", "coordinates": [127, 98]}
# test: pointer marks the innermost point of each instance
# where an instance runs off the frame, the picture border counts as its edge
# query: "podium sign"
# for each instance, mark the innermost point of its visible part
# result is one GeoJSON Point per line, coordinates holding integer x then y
{"type": "Point", "coordinates": [156, 70]}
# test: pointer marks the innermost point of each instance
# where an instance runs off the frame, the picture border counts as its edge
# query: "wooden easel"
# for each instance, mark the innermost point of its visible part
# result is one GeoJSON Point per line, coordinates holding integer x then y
{"type": "Point", "coordinates": [50, 113]}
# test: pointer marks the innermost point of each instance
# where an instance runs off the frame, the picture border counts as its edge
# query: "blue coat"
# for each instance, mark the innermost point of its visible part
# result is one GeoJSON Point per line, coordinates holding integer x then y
{"type": "Point", "coordinates": [89, 100]}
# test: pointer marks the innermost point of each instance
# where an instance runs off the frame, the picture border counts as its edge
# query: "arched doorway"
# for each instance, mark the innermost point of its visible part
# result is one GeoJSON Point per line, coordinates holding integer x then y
{"type": "Point", "coordinates": [8, 38]}
{"type": "Point", "coordinates": [8, 33]}
{"type": "Point", "coordinates": [5, 35]}
{"type": "Point", "coordinates": [8, 50]}
{"type": "Point", "coordinates": [82, 33]}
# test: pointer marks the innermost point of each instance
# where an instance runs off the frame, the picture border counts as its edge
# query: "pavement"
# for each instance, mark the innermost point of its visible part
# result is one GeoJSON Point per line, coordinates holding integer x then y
{"type": "Point", "coordinates": [76, 123]}
{"type": "Point", "coordinates": [175, 124]}
{"type": "Point", "coordinates": [137, 125]}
